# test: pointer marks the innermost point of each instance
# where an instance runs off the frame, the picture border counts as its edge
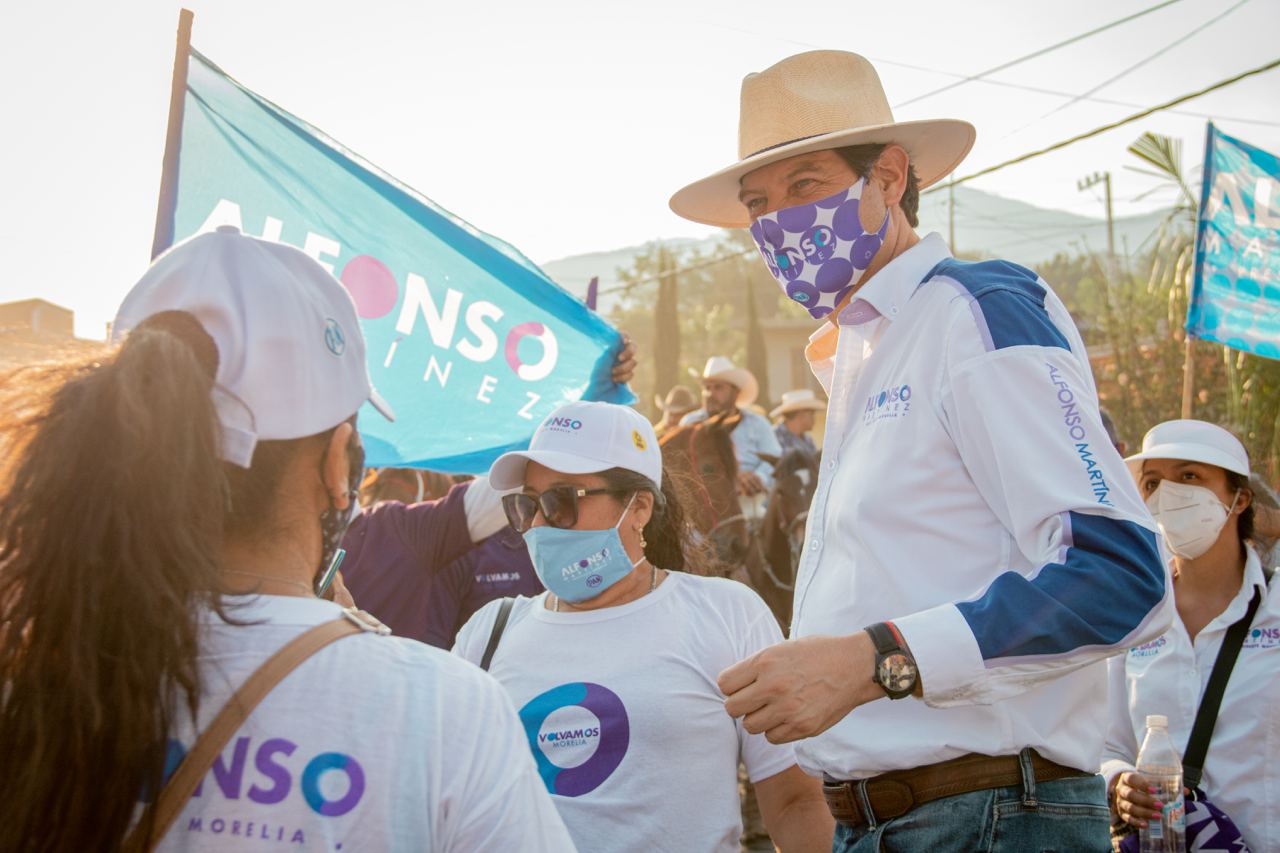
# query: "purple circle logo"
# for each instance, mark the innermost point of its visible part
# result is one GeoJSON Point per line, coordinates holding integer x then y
{"type": "Point", "coordinates": [818, 244]}
{"type": "Point", "coordinates": [789, 263]}
{"type": "Point", "coordinates": [579, 734]}
{"type": "Point", "coordinates": [594, 581]}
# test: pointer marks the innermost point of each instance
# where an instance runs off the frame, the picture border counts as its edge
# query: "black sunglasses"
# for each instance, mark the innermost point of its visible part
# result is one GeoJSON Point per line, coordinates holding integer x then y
{"type": "Point", "coordinates": [559, 506]}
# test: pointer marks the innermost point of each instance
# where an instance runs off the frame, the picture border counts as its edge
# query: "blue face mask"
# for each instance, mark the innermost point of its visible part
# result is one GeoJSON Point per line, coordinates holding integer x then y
{"type": "Point", "coordinates": [578, 565]}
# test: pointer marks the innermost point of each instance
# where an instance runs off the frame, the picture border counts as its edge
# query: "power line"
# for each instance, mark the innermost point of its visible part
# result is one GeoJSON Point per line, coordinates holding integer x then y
{"type": "Point", "coordinates": [1106, 127]}
{"type": "Point", "coordinates": [1161, 52]}
{"type": "Point", "coordinates": [1041, 52]}
{"type": "Point", "coordinates": [987, 171]}
{"type": "Point", "coordinates": [1007, 84]}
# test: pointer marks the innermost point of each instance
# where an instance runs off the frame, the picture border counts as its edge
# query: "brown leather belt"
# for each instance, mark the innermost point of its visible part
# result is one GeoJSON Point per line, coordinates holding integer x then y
{"type": "Point", "coordinates": [873, 801]}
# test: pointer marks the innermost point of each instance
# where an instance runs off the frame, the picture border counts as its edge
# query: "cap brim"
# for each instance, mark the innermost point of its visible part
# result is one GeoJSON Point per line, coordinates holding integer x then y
{"type": "Point", "coordinates": [384, 408]}
{"type": "Point", "coordinates": [1187, 452]}
{"type": "Point", "coordinates": [935, 146]}
{"type": "Point", "coordinates": [507, 472]}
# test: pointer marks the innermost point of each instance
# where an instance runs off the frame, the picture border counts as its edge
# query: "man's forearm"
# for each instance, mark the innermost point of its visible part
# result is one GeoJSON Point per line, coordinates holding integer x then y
{"type": "Point", "coordinates": [804, 826]}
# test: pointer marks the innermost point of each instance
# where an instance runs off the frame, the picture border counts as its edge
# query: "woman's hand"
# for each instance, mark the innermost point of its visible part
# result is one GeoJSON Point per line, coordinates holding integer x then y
{"type": "Point", "coordinates": [1133, 799]}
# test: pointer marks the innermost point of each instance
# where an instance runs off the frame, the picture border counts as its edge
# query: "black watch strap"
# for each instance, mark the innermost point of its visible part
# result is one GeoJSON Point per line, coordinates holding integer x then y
{"type": "Point", "coordinates": [884, 638]}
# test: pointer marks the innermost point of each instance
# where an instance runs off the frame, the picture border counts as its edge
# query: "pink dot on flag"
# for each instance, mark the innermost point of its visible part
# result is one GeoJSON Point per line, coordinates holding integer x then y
{"type": "Point", "coordinates": [371, 285]}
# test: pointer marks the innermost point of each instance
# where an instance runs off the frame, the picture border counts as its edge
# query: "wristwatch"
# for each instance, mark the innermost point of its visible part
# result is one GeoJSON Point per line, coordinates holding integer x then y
{"type": "Point", "coordinates": [895, 670]}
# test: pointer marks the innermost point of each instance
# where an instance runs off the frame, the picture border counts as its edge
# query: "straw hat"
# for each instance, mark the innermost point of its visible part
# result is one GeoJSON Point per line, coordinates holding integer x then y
{"type": "Point", "coordinates": [812, 102]}
{"type": "Point", "coordinates": [721, 368]}
{"type": "Point", "coordinates": [679, 400]}
{"type": "Point", "coordinates": [797, 401]}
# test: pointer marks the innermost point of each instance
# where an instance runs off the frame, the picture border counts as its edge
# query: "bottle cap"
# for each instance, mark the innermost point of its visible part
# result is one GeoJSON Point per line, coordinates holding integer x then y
{"type": "Point", "coordinates": [1157, 721]}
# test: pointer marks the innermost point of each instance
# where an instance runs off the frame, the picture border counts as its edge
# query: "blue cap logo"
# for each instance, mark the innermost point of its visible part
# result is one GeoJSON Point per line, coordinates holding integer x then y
{"type": "Point", "coordinates": [333, 337]}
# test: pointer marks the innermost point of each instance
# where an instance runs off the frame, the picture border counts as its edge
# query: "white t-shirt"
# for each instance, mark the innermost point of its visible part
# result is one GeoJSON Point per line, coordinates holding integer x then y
{"type": "Point", "coordinates": [374, 743]}
{"type": "Point", "coordinates": [623, 715]}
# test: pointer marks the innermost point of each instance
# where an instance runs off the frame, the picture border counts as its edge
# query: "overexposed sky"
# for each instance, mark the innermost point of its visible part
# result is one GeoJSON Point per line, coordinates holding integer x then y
{"type": "Point", "coordinates": [563, 126]}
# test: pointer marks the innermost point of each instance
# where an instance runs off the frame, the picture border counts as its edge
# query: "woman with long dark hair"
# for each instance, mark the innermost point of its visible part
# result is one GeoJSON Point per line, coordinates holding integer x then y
{"type": "Point", "coordinates": [614, 667]}
{"type": "Point", "coordinates": [166, 507]}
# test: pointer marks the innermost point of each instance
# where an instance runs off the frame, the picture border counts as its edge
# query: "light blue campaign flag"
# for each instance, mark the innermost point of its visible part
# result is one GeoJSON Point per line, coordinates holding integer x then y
{"type": "Point", "coordinates": [1235, 299]}
{"type": "Point", "coordinates": [468, 340]}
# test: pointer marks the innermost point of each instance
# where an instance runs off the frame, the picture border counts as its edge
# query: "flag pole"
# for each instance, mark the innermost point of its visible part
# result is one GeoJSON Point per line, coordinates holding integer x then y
{"type": "Point", "coordinates": [1188, 358]}
{"type": "Point", "coordinates": [168, 202]}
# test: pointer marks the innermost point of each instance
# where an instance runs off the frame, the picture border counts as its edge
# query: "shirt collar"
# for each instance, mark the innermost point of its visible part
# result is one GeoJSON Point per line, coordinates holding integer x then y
{"type": "Point", "coordinates": [884, 294]}
{"type": "Point", "coordinates": [276, 610]}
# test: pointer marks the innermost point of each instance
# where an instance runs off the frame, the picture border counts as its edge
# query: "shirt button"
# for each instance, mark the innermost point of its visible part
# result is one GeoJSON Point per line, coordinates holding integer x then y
{"type": "Point", "coordinates": [815, 544]}
{"type": "Point", "coordinates": [831, 466]}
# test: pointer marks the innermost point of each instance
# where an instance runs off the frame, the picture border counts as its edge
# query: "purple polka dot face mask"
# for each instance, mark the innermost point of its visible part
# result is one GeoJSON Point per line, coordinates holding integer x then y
{"type": "Point", "coordinates": [818, 252]}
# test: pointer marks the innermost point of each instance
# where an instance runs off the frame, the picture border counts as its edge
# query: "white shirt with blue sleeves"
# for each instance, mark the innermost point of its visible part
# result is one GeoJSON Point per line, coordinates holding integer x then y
{"type": "Point", "coordinates": [969, 494]}
{"type": "Point", "coordinates": [752, 437]}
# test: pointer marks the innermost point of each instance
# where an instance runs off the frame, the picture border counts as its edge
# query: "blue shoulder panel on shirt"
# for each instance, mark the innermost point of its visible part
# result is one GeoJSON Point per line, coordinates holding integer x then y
{"type": "Point", "coordinates": [1008, 298]}
{"type": "Point", "coordinates": [1111, 579]}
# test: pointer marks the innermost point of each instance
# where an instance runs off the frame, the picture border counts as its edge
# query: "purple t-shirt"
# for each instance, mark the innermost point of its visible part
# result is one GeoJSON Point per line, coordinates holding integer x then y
{"type": "Point", "coordinates": [497, 567]}
{"type": "Point", "coordinates": [394, 551]}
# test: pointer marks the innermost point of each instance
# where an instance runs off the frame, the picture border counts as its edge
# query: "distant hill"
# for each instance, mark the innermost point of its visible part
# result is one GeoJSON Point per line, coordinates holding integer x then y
{"type": "Point", "coordinates": [986, 224]}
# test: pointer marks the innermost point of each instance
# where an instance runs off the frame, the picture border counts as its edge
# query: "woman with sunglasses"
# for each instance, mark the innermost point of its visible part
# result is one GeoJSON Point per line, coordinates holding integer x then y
{"type": "Point", "coordinates": [614, 667]}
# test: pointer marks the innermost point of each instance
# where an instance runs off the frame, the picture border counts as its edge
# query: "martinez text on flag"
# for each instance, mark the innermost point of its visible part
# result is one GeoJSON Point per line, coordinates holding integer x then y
{"type": "Point", "coordinates": [468, 340]}
{"type": "Point", "coordinates": [1235, 299]}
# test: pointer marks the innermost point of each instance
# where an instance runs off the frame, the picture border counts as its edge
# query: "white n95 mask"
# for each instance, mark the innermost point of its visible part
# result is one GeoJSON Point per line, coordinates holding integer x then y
{"type": "Point", "coordinates": [1190, 517]}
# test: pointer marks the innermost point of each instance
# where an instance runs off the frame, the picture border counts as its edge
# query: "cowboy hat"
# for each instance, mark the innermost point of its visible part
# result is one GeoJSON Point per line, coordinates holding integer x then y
{"type": "Point", "coordinates": [679, 400]}
{"type": "Point", "coordinates": [721, 368]}
{"type": "Point", "coordinates": [797, 401]}
{"type": "Point", "coordinates": [812, 102]}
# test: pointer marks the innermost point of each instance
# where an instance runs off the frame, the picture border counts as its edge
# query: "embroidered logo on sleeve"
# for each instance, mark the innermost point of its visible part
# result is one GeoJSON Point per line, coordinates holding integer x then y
{"type": "Point", "coordinates": [1073, 421]}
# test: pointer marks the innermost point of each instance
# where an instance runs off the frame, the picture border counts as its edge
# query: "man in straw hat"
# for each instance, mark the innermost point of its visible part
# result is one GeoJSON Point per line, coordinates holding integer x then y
{"type": "Point", "coordinates": [725, 387]}
{"type": "Point", "coordinates": [680, 401]}
{"type": "Point", "coordinates": [794, 419]}
{"type": "Point", "coordinates": [976, 545]}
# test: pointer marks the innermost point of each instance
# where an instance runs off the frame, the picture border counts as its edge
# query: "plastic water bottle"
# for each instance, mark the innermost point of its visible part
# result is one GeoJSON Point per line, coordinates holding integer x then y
{"type": "Point", "coordinates": [1159, 762]}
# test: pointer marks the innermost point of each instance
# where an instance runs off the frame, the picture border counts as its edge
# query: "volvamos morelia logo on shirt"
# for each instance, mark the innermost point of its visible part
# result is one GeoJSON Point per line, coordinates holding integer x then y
{"type": "Point", "coordinates": [579, 734]}
{"type": "Point", "coordinates": [1073, 423]}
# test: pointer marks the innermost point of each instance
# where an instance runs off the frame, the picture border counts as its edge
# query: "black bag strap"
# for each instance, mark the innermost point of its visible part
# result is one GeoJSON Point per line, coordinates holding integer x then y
{"type": "Point", "coordinates": [499, 625]}
{"type": "Point", "coordinates": [1207, 714]}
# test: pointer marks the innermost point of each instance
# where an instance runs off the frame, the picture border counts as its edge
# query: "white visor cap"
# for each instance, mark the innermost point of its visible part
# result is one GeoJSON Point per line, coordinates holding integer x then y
{"type": "Point", "coordinates": [585, 438]}
{"type": "Point", "coordinates": [1192, 441]}
{"type": "Point", "coordinates": [291, 356]}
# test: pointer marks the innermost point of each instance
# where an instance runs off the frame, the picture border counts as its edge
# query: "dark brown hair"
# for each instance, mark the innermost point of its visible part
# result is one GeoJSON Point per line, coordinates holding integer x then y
{"type": "Point", "coordinates": [114, 503]}
{"type": "Point", "coordinates": [668, 533]}
{"type": "Point", "coordinates": [1244, 525]}
{"type": "Point", "coordinates": [861, 159]}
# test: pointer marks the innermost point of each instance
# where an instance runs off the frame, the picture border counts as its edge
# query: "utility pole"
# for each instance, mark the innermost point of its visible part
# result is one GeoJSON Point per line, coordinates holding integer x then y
{"type": "Point", "coordinates": [1093, 180]}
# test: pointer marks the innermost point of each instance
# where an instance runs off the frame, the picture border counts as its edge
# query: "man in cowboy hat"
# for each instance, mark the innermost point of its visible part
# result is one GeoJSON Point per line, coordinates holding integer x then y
{"type": "Point", "coordinates": [680, 402]}
{"type": "Point", "coordinates": [726, 387]}
{"type": "Point", "coordinates": [794, 419]}
{"type": "Point", "coordinates": [976, 545]}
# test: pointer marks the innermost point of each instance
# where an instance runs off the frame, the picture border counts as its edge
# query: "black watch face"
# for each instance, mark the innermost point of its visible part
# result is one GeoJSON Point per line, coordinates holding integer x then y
{"type": "Point", "coordinates": [897, 673]}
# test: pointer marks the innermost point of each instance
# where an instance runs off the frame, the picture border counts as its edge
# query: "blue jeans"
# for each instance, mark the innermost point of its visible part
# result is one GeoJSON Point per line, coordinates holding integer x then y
{"type": "Point", "coordinates": [1066, 816]}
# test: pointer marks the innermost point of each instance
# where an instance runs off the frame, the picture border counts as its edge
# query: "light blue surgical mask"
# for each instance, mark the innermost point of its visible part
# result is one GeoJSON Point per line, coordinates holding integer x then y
{"type": "Point", "coordinates": [578, 565]}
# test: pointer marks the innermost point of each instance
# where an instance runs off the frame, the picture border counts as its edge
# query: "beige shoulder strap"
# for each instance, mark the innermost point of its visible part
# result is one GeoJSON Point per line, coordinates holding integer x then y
{"type": "Point", "coordinates": [173, 798]}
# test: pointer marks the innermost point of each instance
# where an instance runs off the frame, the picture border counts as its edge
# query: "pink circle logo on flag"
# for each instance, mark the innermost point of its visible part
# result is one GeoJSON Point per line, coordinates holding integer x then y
{"type": "Point", "coordinates": [371, 285]}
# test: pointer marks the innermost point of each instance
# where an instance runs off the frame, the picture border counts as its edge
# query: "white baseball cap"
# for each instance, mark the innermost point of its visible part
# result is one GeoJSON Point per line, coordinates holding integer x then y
{"type": "Point", "coordinates": [1192, 441]}
{"type": "Point", "coordinates": [291, 356]}
{"type": "Point", "coordinates": [585, 438]}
